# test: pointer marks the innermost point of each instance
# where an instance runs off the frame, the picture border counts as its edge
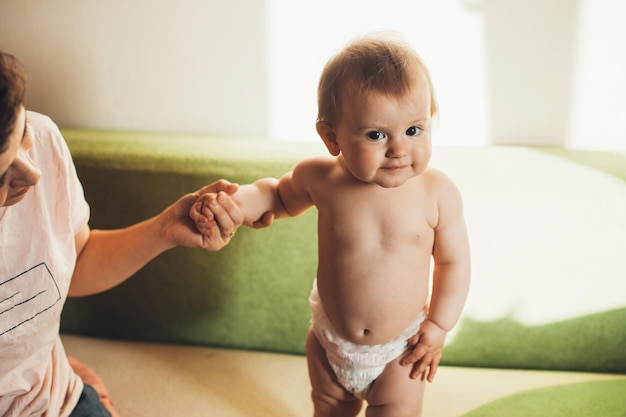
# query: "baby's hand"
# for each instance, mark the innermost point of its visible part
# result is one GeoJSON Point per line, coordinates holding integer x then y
{"type": "Point", "coordinates": [201, 213]}
{"type": "Point", "coordinates": [427, 349]}
{"type": "Point", "coordinates": [205, 213]}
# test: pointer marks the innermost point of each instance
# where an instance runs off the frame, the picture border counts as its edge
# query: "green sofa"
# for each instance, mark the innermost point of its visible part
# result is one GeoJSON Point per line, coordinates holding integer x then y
{"type": "Point", "coordinates": [222, 334]}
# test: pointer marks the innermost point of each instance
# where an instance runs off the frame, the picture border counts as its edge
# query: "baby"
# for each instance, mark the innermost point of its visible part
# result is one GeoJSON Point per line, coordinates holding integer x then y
{"type": "Point", "coordinates": [383, 214]}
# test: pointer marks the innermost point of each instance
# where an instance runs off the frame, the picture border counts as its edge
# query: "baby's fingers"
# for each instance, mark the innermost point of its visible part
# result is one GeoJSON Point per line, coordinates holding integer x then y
{"type": "Point", "coordinates": [205, 205]}
{"type": "Point", "coordinates": [416, 355]}
{"type": "Point", "coordinates": [420, 367]}
{"type": "Point", "coordinates": [203, 219]}
{"type": "Point", "coordinates": [427, 366]}
{"type": "Point", "coordinates": [265, 221]}
{"type": "Point", "coordinates": [434, 365]}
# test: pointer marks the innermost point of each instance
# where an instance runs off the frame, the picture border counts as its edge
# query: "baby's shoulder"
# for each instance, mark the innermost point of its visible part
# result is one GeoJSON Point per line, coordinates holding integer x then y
{"type": "Point", "coordinates": [320, 166]}
{"type": "Point", "coordinates": [438, 183]}
{"type": "Point", "coordinates": [435, 176]}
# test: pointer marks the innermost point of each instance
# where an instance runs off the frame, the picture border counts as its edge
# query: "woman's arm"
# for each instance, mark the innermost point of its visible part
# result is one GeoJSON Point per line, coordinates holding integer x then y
{"type": "Point", "coordinates": [105, 258]}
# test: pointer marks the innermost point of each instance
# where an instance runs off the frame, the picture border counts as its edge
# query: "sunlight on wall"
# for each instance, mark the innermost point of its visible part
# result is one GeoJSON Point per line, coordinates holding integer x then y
{"type": "Point", "coordinates": [599, 90]}
{"type": "Point", "coordinates": [538, 72]}
{"type": "Point", "coordinates": [303, 36]}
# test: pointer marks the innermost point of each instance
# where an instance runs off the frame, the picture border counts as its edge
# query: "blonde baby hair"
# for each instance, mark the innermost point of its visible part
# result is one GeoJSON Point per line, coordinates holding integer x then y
{"type": "Point", "coordinates": [380, 62]}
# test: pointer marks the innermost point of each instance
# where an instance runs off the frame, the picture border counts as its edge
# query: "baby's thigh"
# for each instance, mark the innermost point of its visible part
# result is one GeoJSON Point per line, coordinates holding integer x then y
{"type": "Point", "coordinates": [395, 394]}
{"type": "Point", "coordinates": [329, 397]}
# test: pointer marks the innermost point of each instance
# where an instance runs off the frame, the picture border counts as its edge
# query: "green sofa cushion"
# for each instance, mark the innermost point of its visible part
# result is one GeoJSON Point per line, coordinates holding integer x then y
{"type": "Point", "coordinates": [594, 343]}
{"type": "Point", "coordinates": [251, 295]}
{"type": "Point", "coordinates": [584, 399]}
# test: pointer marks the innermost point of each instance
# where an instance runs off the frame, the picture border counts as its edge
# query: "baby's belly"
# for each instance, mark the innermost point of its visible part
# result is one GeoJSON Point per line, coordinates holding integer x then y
{"type": "Point", "coordinates": [375, 305]}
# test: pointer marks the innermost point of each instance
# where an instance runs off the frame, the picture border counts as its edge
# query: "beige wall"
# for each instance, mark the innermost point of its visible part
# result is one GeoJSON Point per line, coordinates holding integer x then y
{"type": "Point", "coordinates": [185, 65]}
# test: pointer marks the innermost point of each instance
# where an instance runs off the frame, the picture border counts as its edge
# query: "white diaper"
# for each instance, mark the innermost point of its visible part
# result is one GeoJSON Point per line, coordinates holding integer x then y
{"type": "Point", "coordinates": [356, 366]}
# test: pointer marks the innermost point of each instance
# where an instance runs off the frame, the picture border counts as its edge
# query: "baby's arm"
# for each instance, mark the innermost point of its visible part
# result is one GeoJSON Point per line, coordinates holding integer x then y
{"type": "Point", "coordinates": [262, 200]}
{"type": "Point", "coordinates": [257, 201]}
{"type": "Point", "coordinates": [451, 278]}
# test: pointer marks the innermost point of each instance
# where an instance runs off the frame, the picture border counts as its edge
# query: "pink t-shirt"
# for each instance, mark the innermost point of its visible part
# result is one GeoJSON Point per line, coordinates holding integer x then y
{"type": "Point", "coordinates": [37, 259]}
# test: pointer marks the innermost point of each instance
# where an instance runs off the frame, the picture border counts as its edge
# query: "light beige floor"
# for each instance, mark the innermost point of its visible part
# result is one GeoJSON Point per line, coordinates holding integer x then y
{"type": "Point", "coordinates": [162, 380]}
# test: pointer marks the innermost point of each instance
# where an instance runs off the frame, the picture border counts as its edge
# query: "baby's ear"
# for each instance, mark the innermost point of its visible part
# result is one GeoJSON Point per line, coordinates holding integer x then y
{"type": "Point", "coordinates": [329, 137]}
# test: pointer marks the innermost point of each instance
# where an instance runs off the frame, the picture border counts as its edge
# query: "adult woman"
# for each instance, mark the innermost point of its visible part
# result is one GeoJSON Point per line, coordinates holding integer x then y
{"type": "Point", "coordinates": [48, 251]}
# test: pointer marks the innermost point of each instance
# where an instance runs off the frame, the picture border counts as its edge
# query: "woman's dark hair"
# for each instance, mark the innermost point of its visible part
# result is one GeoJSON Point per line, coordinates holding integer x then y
{"type": "Point", "coordinates": [12, 92]}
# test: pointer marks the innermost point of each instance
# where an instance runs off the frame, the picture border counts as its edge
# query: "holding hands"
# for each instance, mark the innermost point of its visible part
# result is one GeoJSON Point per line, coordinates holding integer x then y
{"type": "Point", "coordinates": [217, 216]}
{"type": "Point", "coordinates": [217, 226]}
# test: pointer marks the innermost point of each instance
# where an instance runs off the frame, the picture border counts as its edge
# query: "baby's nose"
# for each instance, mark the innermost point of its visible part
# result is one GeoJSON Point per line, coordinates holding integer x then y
{"type": "Point", "coordinates": [397, 148]}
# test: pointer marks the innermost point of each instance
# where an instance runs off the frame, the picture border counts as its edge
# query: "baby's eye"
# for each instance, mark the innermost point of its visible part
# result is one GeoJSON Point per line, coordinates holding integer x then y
{"type": "Point", "coordinates": [413, 131]}
{"type": "Point", "coordinates": [375, 135]}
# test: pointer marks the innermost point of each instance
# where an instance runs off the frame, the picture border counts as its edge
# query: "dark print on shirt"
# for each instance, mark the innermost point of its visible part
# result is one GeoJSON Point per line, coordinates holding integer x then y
{"type": "Point", "coordinates": [26, 296]}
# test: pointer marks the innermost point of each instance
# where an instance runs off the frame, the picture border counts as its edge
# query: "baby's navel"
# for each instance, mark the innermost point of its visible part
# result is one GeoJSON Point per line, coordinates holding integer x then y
{"type": "Point", "coordinates": [366, 332]}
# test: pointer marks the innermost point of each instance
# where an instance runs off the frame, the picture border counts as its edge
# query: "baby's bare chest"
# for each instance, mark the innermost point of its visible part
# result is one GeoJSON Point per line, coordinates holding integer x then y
{"type": "Point", "coordinates": [387, 216]}
{"type": "Point", "coordinates": [374, 257]}
{"type": "Point", "coordinates": [376, 239]}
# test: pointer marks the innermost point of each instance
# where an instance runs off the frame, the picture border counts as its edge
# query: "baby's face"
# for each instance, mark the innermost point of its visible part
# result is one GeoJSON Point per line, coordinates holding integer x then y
{"type": "Point", "coordinates": [386, 140]}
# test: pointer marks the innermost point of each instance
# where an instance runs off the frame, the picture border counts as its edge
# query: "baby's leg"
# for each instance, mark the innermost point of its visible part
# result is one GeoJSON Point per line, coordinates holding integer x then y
{"type": "Point", "coordinates": [395, 394]}
{"type": "Point", "coordinates": [330, 399]}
